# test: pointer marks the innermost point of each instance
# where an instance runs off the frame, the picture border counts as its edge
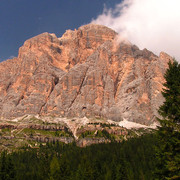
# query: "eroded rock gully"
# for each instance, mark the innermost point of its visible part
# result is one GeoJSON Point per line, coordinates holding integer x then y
{"type": "Point", "coordinates": [86, 72]}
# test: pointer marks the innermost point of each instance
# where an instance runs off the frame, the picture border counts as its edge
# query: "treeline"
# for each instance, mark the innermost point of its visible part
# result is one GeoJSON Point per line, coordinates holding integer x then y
{"type": "Point", "coordinates": [130, 160]}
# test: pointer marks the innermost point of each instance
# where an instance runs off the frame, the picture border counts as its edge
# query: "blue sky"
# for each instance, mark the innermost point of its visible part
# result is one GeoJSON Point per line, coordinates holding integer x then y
{"type": "Point", "coordinates": [23, 19]}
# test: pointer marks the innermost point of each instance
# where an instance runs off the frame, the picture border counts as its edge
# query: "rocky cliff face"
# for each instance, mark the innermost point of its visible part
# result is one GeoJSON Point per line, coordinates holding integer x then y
{"type": "Point", "coordinates": [86, 72]}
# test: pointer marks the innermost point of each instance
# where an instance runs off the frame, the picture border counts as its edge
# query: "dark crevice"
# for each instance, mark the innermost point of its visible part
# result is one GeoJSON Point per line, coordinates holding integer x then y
{"type": "Point", "coordinates": [104, 84]}
{"type": "Point", "coordinates": [79, 89]}
{"type": "Point", "coordinates": [54, 83]}
{"type": "Point", "coordinates": [42, 107]}
{"type": "Point", "coordinates": [84, 107]}
{"type": "Point", "coordinates": [55, 49]}
{"type": "Point", "coordinates": [24, 92]}
{"type": "Point", "coordinates": [56, 80]}
{"type": "Point", "coordinates": [52, 88]}
{"type": "Point", "coordinates": [19, 100]}
{"type": "Point", "coordinates": [37, 67]}
{"type": "Point", "coordinates": [60, 43]}
{"type": "Point", "coordinates": [8, 86]}
{"type": "Point", "coordinates": [116, 85]}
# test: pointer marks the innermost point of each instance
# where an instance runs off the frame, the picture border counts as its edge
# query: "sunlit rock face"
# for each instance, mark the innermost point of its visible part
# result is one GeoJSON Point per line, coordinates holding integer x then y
{"type": "Point", "coordinates": [86, 72]}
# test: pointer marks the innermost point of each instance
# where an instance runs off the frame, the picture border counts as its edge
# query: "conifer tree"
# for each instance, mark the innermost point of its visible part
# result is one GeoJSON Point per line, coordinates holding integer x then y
{"type": "Point", "coordinates": [54, 168]}
{"type": "Point", "coordinates": [168, 153]}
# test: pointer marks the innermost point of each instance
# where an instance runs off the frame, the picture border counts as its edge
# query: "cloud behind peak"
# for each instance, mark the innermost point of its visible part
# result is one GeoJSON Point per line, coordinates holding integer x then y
{"type": "Point", "coordinates": [152, 24]}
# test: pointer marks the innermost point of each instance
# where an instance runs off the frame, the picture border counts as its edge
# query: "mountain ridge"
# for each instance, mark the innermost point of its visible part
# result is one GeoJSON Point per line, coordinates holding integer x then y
{"type": "Point", "coordinates": [86, 72]}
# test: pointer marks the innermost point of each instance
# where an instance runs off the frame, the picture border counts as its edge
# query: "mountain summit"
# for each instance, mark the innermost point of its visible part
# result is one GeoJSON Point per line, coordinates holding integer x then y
{"type": "Point", "coordinates": [87, 72]}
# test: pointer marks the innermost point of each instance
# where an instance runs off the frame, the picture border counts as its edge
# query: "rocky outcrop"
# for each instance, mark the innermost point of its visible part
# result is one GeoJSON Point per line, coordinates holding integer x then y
{"type": "Point", "coordinates": [89, 141]}
{"type": "Point", "coordinates": [86, 72]}
{"type": "Point", "coordinates": [32, 126]}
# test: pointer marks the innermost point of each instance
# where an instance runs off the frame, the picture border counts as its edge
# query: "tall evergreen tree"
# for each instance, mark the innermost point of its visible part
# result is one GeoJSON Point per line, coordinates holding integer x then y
{"type": "Point", "coordinates": [168, 153]}
{"type": "Point", "coordinates": [54, 169]}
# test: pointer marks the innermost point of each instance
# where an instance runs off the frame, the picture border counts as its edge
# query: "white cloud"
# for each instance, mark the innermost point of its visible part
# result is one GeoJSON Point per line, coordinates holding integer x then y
{"type": "Point", "coordinates": [151, 24]}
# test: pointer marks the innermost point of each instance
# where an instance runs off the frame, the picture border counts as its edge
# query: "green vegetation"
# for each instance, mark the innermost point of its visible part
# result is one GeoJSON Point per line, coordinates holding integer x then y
{"type": "Point", "coordinates": [105, 134]}
{"type": "Point", "coordinates": [132, 133]}
{"type": "Point", "coordinates": [57, 133]}
{"type": "Point", "coordinates": [11, 139]}
{"type": "Point", "coordinates": [99, 134]}
{"type": "Point", "coordinates": [130, 160]}
{"type": "Point", "coordinates": [63, 134]}
{"type": "Point", "coordinates": [6, 130]}
{"type": "Point", "coordinates": [168, 154]}
{"type": "Point", "coordinates": [103, 124]}
{"type": "Point", "coordinates": [87, 134]}
{"type": "Point", "coordinates": [107, 125]}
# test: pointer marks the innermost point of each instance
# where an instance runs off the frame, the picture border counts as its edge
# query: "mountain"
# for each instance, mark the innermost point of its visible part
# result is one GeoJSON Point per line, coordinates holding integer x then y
{"type": "Point", "coordinates": [87, 72]}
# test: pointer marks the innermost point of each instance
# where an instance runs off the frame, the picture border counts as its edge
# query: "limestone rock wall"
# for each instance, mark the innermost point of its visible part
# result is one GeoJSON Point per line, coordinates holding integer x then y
{"type": "Point", "coordinates": [86, 72]}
